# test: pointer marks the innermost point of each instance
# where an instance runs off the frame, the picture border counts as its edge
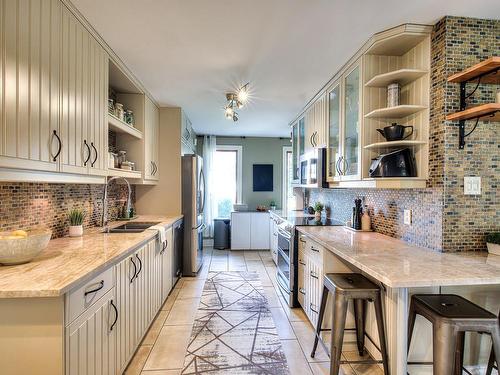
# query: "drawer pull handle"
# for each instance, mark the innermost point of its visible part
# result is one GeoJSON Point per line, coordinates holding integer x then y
{"type": "Point", "coordinates": [302, 262]}
{"type": "Point", "coordinates": [116, 316]}
{"type": "Point", "coordinates": [165, 244]}
{"type": "Point", "coordinates": [135, 270]}
{"type": "Point", "coordinates": [314, 275]}
{"type": "Point", "coordinates": [101, 285]}
{"type": "Point", "coordinates": [314, 249]}
{"type": "Point", "coordinates": [302, 291]}
{"type": "Point", "coordinates": [302, 240]}
{"type": "Point", "coordinates": [140, 265]}
{"type": "Point", "coordinates": [312, 309]}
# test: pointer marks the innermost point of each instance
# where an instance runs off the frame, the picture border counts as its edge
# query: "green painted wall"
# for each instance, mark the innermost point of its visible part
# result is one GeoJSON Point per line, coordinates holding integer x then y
{"type": "Point", "coordinates": [257, 150]}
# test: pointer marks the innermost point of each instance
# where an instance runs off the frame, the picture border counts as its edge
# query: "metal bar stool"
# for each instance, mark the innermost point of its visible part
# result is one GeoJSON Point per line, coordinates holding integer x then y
{"type": "Point", "coordinates": [345, 287]}
{"type": "Point", "coordinates": [451, 316]}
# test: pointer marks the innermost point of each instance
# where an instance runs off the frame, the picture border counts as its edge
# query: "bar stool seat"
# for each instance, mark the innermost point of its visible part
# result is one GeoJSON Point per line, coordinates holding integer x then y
{"type": "Point", "coordinates": [451, 316]}
{"type": "Point", "coordinates": [346, 287]}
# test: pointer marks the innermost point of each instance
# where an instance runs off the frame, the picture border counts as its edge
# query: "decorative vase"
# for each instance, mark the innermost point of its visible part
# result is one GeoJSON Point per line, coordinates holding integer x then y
{"type": "Point", "coordinates": [493, 248]}
{"type": "Point", "coordinates": [317, 215]}
{"type": "Point", "coordinates": [75, 230]}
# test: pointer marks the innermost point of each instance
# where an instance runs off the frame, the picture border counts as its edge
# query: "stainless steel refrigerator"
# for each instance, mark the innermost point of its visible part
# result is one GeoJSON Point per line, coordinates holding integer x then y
{"type": "Point", "coordinates": [193, 204]}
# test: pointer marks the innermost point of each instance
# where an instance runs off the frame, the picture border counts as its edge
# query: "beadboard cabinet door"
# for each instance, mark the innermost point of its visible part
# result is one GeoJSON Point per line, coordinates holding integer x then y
{"type": "Point", "coordinates": [91, 339]}
{"type": "Point", "coordinates": [166, 266]}
{"type": "Point", "coordinates": [30, 55]}
{"type": "Point", "coordinates": [83, 84]}
{"type": "Point", "coordinates": [151, 140]}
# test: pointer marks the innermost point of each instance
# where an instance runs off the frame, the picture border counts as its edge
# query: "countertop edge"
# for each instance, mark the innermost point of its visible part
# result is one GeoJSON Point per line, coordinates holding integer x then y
{"type": "Point", "coordinates": [54, 293]}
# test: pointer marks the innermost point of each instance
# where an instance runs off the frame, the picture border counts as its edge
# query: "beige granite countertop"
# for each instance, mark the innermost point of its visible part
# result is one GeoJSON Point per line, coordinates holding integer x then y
{"type": "Point", "coordinates": [398, 264]}
{"type": "Point", "coordinates": [68, 261]}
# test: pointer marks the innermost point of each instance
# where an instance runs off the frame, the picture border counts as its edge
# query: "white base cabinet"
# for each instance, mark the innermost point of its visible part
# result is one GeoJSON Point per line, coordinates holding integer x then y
{"type": "Point", "coordinates": [249, 230]}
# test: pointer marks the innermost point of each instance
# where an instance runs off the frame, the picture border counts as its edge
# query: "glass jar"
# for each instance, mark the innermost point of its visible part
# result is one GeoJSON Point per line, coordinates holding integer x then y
{"type": "Point", "coordinates": [119, 112]}
{"type": "Point", "coordinates": [129, 117]}
{"type": "Point", "coordinates": [111, 106]}
{"type": "Point", "coordinates": [122, 157]}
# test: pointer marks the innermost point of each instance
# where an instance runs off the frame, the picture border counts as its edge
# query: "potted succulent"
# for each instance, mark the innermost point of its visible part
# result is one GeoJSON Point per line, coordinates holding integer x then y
{"type": "Point", "coordinates": [76, 217]}
{"type": "Point", "coordinates": [493, 243]}
{"type": "Point", "coordinates": [318, 208]}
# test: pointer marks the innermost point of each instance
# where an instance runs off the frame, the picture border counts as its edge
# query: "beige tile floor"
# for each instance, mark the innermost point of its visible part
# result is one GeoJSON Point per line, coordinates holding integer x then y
{"type": "Point", "coordinates": [163, 348]}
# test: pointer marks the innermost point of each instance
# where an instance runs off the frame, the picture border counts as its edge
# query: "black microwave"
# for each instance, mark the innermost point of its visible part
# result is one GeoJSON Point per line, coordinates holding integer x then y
{"type": "Point", "coordinates": [312, 169]}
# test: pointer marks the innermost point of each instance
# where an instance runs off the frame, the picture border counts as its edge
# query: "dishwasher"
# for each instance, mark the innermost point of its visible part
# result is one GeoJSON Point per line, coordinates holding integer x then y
{"type": "Point", "coordinates": [178, 234]}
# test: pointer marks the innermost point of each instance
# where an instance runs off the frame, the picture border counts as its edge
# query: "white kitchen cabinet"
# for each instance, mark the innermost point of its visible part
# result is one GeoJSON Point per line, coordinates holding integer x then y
{"type": "Point", "coordinates": [151, 140]}
{"type": "Point", "coordinates": [167, 254]}
{"type": "Point", "coordinates": [84, 70]}
{"type": "Point", "coordinates": [91, 339]}
{"type": "Point", "coordinates": [30, 87]}
{"type": "Point", "coordinates": [54, 91]}
{"type": "Point", "coordinates": [240, 230]}
{"type": "Point", "coordinates": [249, 230]}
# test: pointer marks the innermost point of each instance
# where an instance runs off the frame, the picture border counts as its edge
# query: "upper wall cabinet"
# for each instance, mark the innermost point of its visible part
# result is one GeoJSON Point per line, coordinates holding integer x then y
{"type": "Point", "coordinates": [83, 86]}
{"type": "Point", "coordinates": [30, 67]}
{"type": "Point", "coordinates": [357, 109]}
{"type": "Point", "coordinates": [53, 92]}
{"type": "Point", "coordinates": [188, 136]}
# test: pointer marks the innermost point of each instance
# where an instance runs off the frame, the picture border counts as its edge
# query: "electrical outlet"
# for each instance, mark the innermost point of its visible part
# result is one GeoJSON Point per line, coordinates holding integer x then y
{"type": "Point", "coordinates": [407, 217]}
{"type": "Point", "coordinates": [472, 185]}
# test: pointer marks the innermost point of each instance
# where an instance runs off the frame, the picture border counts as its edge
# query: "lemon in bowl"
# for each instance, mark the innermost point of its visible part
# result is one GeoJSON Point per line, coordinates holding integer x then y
{"type": "Point", "coordinates": [21, 246]}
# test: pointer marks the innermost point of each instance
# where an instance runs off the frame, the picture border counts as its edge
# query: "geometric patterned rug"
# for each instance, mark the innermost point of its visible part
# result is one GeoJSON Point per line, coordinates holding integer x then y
{"type": "Point", "coordinates": [234, 332]}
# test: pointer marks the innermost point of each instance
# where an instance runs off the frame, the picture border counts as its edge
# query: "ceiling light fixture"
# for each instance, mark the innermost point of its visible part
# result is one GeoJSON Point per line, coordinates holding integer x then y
{"type": "Point", "coordinates": [236, 100]}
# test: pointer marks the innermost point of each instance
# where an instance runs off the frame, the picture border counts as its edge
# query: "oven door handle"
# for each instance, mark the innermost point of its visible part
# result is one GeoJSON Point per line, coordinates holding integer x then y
{"type": "Point", "coordinates": [285, 234]}
{"type": "Point", "coordinates": [282, 287]}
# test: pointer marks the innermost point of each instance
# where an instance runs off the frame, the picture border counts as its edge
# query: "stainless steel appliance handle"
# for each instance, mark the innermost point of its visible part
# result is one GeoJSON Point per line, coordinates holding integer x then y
{"type": "Point", "coordinates": [282, 287]}
{"type": "Point", "coordinates": [202, 174]}
{"type": "Point", "coordinates": [284, 233]}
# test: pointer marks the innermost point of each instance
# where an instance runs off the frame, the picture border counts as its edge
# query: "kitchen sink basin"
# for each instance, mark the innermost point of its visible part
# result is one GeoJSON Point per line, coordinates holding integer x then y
{"type": "Point", "coordinates": [132, 227]}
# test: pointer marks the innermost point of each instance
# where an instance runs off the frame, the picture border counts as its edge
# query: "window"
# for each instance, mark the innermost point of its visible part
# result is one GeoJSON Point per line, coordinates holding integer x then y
{"type": "Point", "coordinates": [227, 179]}
{"type": "Point", "coordinates": [288, 198]}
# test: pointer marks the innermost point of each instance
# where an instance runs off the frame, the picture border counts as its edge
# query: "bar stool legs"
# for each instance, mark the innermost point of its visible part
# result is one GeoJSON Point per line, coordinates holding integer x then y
{"type": "Point", "coordinates": [324, 298]}
{"type": "Point", "coordinates": [359, 317]}
{"type": "Point", "coordinates": [381, 332]}
{"type": "Point", "coordinates": [338, 326]}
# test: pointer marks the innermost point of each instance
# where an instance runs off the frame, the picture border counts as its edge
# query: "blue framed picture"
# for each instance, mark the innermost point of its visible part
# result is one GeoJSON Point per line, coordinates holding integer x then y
{"type": "Point", "coordinates": [262, 177]}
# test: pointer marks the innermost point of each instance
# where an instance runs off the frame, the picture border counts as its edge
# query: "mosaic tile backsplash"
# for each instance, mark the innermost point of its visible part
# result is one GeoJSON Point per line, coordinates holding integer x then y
{"type": "Point", "coordinates": [444, 219]}
{"type": "Point", "coordinates": [34, 205]}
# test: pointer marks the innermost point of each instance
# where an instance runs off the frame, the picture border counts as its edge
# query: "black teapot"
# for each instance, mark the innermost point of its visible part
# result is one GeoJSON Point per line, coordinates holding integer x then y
{"type": "Point", "coordinates": [395, 132]}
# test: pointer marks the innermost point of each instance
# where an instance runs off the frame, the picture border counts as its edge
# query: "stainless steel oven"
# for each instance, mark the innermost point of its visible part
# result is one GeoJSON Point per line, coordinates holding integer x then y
{"type": "Point", "coordinates": [285, 265]}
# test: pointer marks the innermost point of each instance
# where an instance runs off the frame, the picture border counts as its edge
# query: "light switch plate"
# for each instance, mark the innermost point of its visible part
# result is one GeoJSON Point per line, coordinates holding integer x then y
{"type": "Point", "coordinates": [472, 185]}
{"type": "Point", "coordinates": [407, 217]}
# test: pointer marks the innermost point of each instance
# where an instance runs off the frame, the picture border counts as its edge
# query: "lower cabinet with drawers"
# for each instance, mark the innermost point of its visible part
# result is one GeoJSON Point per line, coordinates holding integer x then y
{"type": "Point", "coordinates": [96, 326]}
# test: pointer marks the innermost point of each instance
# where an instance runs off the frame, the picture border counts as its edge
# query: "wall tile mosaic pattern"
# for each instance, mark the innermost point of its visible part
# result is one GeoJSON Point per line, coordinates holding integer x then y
{"type": "Point", "coordinates": [37, 205]}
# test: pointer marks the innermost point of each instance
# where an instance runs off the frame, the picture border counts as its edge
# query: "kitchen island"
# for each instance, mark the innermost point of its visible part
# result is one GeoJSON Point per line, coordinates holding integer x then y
{"type": "Point", "coordinates": [403, 269]}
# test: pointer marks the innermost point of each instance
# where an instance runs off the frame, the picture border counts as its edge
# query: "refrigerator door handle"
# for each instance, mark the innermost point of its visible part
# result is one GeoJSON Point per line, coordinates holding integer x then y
{"type": "Point", "coordinates": [202, 175]}
{"type": "Point", "coordinates": [199, 226]}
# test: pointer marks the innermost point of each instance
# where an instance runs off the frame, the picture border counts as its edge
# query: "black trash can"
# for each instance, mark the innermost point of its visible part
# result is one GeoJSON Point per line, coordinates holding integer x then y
{"type": "Point", "coordinates": [221, 233]}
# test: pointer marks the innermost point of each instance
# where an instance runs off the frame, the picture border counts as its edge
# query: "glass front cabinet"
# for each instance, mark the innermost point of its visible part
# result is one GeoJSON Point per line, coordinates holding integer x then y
{"type": "Point", "coordinates": [344, 114]}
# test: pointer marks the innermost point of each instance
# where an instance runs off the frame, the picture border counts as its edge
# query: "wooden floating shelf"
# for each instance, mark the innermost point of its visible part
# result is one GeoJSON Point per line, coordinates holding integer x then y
{"type": "Point", "coordinates": [401, 76]}
{"type": "Point", "coordinates": [489, 65]}
{"type": "Point", "coordinates": [486, 112]}
{"type": "Point", "coordinates": [124, 173]}
{"type": "Point", "coordinates": [399, 111]}
{"type": "Point", "coordinates": [379, 145]}
{"type": "Point", "coordinates": [119, 126]}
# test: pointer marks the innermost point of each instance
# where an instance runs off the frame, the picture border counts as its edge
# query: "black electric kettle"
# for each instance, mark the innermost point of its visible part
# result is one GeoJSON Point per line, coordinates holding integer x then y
{"type": "Point", "coordinates": [395, 132]}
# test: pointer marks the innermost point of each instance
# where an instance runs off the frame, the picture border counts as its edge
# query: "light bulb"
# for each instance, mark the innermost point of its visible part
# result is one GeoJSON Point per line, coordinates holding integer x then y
{"type": "Point", "coordinates": [229, 112]}
{"type": "Point", "coordinates": [243, 95]}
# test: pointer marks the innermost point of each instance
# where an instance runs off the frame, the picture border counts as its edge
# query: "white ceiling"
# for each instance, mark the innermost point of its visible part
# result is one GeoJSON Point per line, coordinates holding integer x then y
{"type": "Point", "coordinates": [188, 53]}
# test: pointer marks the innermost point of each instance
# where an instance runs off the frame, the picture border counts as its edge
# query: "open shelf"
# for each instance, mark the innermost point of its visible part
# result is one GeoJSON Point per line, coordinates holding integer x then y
{"type": "Point", "coordinates": [399, 111]}
{"type": "Point", "coordinates": [487, 112]}
{"type": "Point", "coordinates": [401, 76]}
{"type": "Point", "coordinates": [488, 69]}
{"type": "Point", "coordinates": [405, 143]}
{"type": "Point", "coordinates": [119, 126]}
{"type": "Point", "coordinates": [123, 173]}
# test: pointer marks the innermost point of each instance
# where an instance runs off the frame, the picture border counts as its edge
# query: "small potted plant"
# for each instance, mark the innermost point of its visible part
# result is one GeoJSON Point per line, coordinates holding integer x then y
{"type": "Point", "coordinates": [272, 206]}
{"type": "Point", "coordinates": [76, 217]}
{"type": "Point", "coordinates": [493, 243]}
{"type": "Point", "coordinates": [318, 208]}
